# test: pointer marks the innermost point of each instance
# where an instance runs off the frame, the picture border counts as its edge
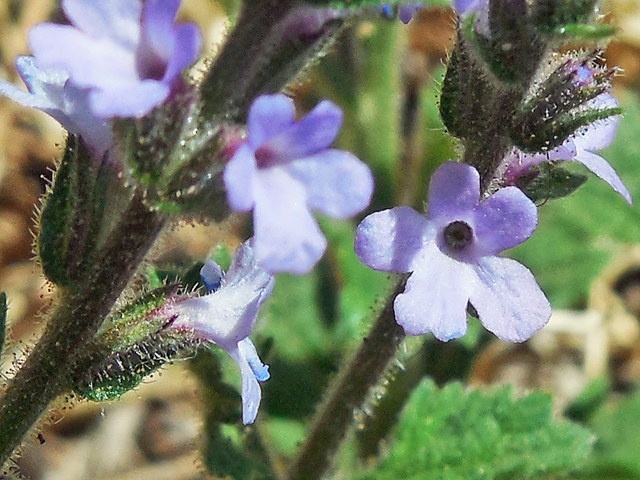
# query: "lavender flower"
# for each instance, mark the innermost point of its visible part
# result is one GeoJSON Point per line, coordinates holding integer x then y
{"type": "Point", "coordinates": [126, 54]}
{"type": "Point", "coordinates": [577, 148]}
{"type": "Point", "coordinates": [51, 92]}
{"type": "Point", "coordinates": [226, 316]}
{"type": "Point", "coordinates": [286, 169]}
{"type": "Point", "coordinates": [453, 258]}
{"type": "Point", "coordinates": [406, 10]}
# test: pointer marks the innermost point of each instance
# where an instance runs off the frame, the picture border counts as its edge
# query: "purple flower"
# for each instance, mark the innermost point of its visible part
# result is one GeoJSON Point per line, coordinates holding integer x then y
{"type": "Point", "coordinates": [286, 169]}
{"type": "Point", "coordinates": [126, 54]}
{"type": "Point", "coordinates": [466, 6]}
{"type": "Point", "coordinates": [226, 316]}
{"type": "Point", "coordinates": [406, 10]}
{"type": "Point", "coordinates": [51, 92]}
{"type": "Point", "coordinates": [453, 257]}
{"type": "Point", "coordinates": [577, 148]}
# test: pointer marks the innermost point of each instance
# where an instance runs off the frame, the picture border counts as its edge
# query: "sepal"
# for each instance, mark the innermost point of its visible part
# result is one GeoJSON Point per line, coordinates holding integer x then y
{"type": "Point", "coordinates": [72, 214]}
{"type": "Point", "coordinates": [512, 48]}
{"type": "Point", "coordinates": [136, 321]}
{"type": "Point", "coordinates": [466, 90]}
{"type": "Point", "coordinates": [547, 135]}
{"type": "Point", "coordinates": [561, 104]}
{"type": "Point", "coordinates": [548, 182]}
{"type": "Point", "coordinates": [569, 18]}
{"type": "Point", "coordinates": [125, 369]}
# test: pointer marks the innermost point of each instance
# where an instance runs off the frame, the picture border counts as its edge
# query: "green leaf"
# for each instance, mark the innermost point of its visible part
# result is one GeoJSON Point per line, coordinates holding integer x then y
{"type": "Point", "coordinates": [616, 449]}
{"type": "Point", "coordinates": [578, 235]}
{"type": "Point", "coordinates": [453, 434]}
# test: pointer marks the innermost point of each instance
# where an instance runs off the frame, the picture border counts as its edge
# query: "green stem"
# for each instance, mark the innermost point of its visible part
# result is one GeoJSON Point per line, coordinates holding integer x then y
{"type": "Point", "coordinates": [363, 372]}
{"type": "Point", "coordinates": [61, 350]}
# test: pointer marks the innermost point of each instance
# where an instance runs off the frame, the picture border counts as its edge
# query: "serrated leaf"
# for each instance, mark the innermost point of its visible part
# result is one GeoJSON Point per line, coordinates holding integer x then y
{"type": "Point", "coordinates": [453, 434]}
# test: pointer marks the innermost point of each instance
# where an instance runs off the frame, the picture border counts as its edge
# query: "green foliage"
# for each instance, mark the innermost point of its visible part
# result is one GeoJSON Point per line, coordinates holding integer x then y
{"type": "Point", "coordinates": [578, 235]}
{"type": "Point", "coordinates": [615, 455]}
{"type": "Point", "coordinates": [451, 434]}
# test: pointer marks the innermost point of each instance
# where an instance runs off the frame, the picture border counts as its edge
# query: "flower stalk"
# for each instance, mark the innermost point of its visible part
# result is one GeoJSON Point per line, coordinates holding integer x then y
{"type": "Point", "coordinates": [363, 372]}
{"type": "Point", "coordinates": [61, 353]}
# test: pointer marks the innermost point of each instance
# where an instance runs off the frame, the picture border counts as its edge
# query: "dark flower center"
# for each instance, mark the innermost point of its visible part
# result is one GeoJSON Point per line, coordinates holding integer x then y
{"type": "Point", "coordinates": [458, 235]}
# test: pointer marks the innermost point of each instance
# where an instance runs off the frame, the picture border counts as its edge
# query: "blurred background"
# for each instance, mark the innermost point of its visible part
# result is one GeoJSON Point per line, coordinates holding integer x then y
{"type": "Point", "coordinates": [385, 75]}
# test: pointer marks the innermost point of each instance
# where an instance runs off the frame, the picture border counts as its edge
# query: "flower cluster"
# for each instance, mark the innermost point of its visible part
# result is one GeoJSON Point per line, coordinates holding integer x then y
{"type": "Point", "coordinates": [226, 316]}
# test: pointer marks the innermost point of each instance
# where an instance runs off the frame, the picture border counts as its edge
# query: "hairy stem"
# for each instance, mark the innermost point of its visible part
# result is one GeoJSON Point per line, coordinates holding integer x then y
{"type": "Point", "coordinates": [363, 372]}
{"type": "Point", "coordinates": [228, 87]}
{"type": "Point", "coordinates": [61, 350]}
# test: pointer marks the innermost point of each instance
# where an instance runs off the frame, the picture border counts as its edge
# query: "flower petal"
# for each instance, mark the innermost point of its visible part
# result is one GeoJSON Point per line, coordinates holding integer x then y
{"type": "Point", "coordinates": [132, 101]}
{"type": "Point", "coordinates": [505, 219]}
{"type": "Point", "coordinates": [436, 295]}
{"type": "Point", "coordinates": [287, 237]}
{"type": "Point", "coordinates": [186, 47]}
{"type": "Point", "coordinates": [508, 299]}
{"type": "Point", "coordinates": [268, 116]}
{"type": "Point", "coordinates": [337, 182]}
{"type": "Point", "coordinates": [389, 240]}
{"type": "Point", "coordinates": [251, 391]}
{"type": "Point", "coordinates": [238, 179]}
{"type": "Point", "coordinates": [314, 133]}
{"type": "Point", "coordinates": [454, 188]}
{"type": "Point", "coordinates": [91, 62]}
{"type": "Point", "coordinates": [605, 171]}
{"type": "Point", "coordinates": [211, 275]}
{"type": "Point", "coordinates": [118, 20]}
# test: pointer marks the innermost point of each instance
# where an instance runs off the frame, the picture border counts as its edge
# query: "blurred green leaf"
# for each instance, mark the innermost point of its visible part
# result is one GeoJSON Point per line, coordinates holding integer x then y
{"type": "Point", "coordinates": [616, 451]}
{"type": "Point", "coordinates": [295, 318]}
{"type": "Point", "coordinates": [578, 235]}
{"type": "Point", "coordinates": [452, 434]}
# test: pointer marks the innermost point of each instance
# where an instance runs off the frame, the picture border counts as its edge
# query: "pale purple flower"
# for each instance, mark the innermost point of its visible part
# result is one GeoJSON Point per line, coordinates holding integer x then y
{"type": "Point", "coordinates": [226, 316]}
{"type": "Point", "coordinates": [577, 148]}
{"type": "Point", "coordinates": [284, 171]}
{"type": "Point", "coordinates": [406, 10]}
{"type": "Point", "coordinates": [51, 91]}
{"type": "Point", "coordinates": [126, 54]}
{"type": "Point", "coordinates": [453, 258]}
{"type": "Point", "coordinates": [466, 6]}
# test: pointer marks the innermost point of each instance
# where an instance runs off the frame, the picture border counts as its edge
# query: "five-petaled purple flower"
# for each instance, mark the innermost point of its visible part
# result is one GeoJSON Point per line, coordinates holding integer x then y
{"type": "Point", "coordinates": [226, 316]}
{"type": "Point", "coordinates": [453, 258]}
{"type": "Point", "coordinates": [577, 148]}
{"type": "Point", "coordinates": [283, 171]}
{"type": "Point", "coordinates": [127, 55]}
